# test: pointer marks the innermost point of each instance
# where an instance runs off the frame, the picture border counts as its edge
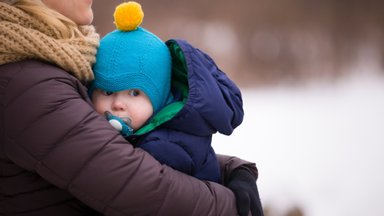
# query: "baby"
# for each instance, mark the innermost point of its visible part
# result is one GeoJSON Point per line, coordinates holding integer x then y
{"type": "Point", "coordinates": [166, 98]}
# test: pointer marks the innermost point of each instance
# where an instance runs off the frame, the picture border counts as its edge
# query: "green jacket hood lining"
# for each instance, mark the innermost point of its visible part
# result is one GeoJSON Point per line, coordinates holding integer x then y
{"type": "Point", "coordinates": [179, 83]}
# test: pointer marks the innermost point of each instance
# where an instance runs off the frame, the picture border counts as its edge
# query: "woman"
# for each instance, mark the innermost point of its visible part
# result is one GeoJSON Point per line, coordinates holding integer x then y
{"type": "Point", "coordinates": [58, 156]}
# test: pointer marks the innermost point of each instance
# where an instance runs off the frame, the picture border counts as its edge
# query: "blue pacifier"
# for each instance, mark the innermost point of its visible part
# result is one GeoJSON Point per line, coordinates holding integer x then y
{"type": "Point", "coordinates": [123, 125]}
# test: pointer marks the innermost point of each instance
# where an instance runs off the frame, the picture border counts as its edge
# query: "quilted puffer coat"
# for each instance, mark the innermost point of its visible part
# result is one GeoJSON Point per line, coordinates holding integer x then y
{"type": "Point", "coordinates": [207, 102]}
{"type": "Point", "coordinates": [59, 157]}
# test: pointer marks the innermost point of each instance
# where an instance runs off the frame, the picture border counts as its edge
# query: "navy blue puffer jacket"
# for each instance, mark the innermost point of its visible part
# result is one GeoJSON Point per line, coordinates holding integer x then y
{"type": "Point", "coordinates": [207, 102]}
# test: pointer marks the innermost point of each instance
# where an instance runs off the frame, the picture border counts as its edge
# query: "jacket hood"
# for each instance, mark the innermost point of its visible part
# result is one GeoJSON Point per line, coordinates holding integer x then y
{"type": "Point", "coordinates": [211, 101]}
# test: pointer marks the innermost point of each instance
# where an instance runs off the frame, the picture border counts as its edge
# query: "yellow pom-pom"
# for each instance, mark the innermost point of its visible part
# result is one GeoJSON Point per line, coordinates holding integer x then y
{"type": "Point", "coordinates": [128, 16]}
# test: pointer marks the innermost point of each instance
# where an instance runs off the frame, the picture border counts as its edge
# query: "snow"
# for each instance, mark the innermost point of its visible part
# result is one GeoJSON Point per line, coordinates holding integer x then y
{"type": "Point", "coordinates": [319, 146]}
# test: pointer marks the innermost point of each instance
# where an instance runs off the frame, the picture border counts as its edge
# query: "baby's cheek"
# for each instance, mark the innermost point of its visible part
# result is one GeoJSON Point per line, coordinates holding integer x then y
{"type": "Point", "coordinates": [99, 108]}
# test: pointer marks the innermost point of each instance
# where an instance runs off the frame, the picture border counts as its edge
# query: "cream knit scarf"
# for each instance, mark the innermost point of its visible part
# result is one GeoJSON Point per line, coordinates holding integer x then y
{"type": "Point", "coordinates": [23, 36]}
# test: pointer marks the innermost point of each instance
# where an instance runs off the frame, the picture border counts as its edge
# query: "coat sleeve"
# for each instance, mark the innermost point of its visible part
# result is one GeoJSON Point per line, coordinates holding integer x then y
{"type": "Point", "coordinates": [169, 153]}
{"type": "Point", "coordinates": [230, 163]}
{"type": "Point", "coordinates": [52, 130]}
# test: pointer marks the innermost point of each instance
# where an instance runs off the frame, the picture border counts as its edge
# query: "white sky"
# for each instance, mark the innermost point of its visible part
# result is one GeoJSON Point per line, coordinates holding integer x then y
{"type": "Point", "coordinates": [320, 147]}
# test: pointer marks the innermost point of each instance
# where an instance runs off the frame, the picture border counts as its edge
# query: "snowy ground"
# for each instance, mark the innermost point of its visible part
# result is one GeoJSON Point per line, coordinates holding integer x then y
{"type": "Point", "coordinates": [319, 147]}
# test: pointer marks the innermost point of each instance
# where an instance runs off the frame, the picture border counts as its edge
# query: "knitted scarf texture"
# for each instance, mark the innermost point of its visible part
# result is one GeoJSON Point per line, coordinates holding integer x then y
{"type": "Point", "coordinates": [23, 36]}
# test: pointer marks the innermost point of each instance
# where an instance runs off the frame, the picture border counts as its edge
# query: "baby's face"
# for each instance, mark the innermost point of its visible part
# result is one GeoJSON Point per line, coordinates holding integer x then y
{"type": "Point", "coordinates": [133, 104]}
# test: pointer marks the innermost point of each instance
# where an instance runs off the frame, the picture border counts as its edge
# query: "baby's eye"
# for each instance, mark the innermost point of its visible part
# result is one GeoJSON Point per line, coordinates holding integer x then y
{"type": "Point", "coordinates": [107, 93]}
{"type": "Point", "coordinates": [134, 92]}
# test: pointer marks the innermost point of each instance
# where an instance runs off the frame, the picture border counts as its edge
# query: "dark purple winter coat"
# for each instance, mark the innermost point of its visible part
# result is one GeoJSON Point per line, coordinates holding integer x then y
{"type": "Point", "coordinates": [207, 101]}
{"type": "Point", "coordinates": [59, 157]}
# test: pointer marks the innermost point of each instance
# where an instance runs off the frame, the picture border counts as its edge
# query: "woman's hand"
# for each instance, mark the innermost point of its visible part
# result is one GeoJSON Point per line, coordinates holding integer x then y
{"type": "Point", "coordinates": [243, 184]}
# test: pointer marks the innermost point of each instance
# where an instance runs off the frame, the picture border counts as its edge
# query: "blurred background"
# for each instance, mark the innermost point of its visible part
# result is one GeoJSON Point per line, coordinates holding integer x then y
{"type": "Point", "coordinates": [312, 78]}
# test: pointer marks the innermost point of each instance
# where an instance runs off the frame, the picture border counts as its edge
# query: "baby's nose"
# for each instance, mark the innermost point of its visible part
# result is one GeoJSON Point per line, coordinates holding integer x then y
{"type": "Point", "coordinates": [118, 105]}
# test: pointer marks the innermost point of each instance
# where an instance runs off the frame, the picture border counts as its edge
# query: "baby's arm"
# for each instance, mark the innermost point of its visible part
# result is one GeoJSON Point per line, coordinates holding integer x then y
{"type": "Point", "coordinates": [170, 154]}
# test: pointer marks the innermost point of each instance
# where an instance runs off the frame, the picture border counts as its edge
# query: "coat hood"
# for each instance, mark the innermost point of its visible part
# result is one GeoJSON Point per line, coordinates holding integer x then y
{"type": "Point", "coordinates": [211, 101]}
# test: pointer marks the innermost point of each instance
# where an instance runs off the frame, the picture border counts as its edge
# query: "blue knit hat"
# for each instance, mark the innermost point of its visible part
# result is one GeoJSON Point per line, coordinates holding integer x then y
{"type": "Point", "coordinates": [131, 57]}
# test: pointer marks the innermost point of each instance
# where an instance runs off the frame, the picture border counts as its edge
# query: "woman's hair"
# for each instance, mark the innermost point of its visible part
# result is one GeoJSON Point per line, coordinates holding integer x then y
{"type": "Point", "coordinates": [61, 23]}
